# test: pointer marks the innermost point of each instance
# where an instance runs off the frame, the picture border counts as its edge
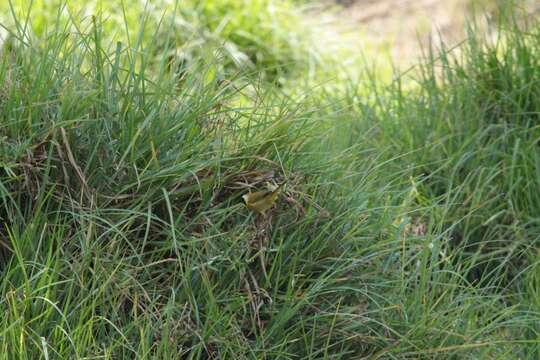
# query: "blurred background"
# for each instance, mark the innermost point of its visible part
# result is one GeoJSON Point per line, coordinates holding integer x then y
{"type": "Point", "coordinates": [314, 39]}
{"type": "Point", "coordinates": [399, 30]}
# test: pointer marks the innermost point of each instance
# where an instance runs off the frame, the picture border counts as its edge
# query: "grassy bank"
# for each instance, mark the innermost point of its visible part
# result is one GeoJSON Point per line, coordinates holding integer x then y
{"type": "Point", "coordinates": [406, 227]}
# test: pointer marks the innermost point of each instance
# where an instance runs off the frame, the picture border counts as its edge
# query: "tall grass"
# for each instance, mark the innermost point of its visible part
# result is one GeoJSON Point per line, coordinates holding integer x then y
{"type": "Point", "coordinates": [124, 235]}
{"type": "Point", "coordinates": [260, 37]}
{"type": "Point", "coordinates": [465, 136]}
{"type": "Point", "coordinates": [407, 226]}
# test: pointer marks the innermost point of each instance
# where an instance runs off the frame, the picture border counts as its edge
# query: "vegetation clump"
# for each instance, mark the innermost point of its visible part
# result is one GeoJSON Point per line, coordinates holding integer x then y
{"type": "Point", "coordinates": [161, 201]}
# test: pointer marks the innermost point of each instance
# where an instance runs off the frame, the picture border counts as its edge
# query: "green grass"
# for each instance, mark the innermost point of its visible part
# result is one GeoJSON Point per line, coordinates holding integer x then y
{"type": "Point", "coordinates": [263, 38]}
{"type": "Point", "coordinates": [407, 228]}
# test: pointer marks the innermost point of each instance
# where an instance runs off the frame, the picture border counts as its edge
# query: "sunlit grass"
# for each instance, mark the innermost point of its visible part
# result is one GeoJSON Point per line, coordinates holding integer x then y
{"type": "Point", "coordinates": [407, 225]}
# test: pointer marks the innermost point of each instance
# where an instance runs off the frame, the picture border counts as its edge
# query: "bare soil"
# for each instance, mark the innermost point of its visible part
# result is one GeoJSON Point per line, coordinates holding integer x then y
{"type": "Point", "coordinates": [407, 25]}
{"type": "Point", "coordinates": [399, 28]}
{"type": "Point", "coordinates": [403, 28]}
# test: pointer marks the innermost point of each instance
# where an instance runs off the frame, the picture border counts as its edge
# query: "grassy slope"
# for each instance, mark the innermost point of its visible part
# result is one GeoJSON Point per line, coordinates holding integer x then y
{"type": "Point", "coordinates": [125, 236]}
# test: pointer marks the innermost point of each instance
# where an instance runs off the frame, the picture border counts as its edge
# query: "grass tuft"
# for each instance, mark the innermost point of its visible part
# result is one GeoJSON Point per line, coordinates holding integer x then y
{"type": "Point", "coordinates": [406, 227]}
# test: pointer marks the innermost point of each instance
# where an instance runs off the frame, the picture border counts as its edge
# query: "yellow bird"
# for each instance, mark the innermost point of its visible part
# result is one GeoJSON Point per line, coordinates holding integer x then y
{"type": "Point", "coordinates": [261, 201]}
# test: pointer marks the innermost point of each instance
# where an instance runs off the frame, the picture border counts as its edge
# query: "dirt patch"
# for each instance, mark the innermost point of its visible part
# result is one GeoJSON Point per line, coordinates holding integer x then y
{"type": "Point", "coordinates": [406, 25]}
{"type": "Point", "coordinates": [403, 27]}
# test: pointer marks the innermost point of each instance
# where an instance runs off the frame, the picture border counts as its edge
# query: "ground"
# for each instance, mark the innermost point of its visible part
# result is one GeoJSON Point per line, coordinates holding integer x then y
{"type": "Point", "coordinates": [396, 29]}
{"type": "Point", "coordinates": [403, 28]}
{"type": "Point", "coordinates": [405, 24]}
